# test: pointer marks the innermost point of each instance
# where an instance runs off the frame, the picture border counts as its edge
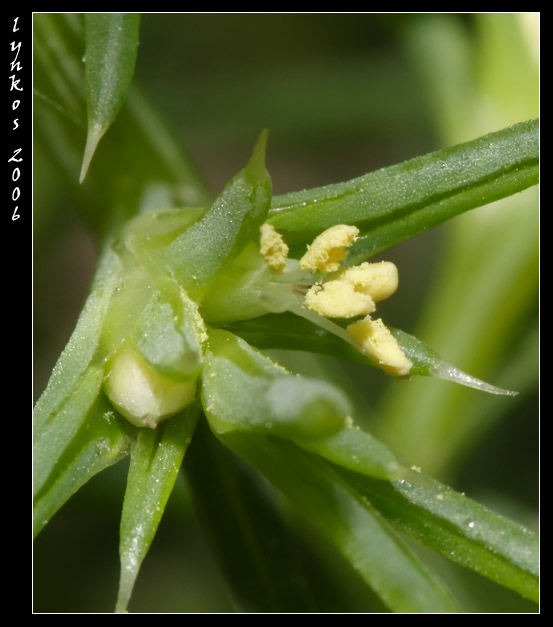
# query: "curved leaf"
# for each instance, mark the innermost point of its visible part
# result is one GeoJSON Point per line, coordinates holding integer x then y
{"type": "Point", "coordinates": [244, 390]}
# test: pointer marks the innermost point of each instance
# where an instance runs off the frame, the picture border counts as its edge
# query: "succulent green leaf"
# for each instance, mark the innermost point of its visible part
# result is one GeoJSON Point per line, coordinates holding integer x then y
{"type": "Point", "coordinates": [111, 47]}
{"type": "Point", "coordinates": [167, 267]}
{"type": "Point", "coordinates": [457, 527]}
{"type": "Point", "coordinates": [245, 390]}
{"type": "Point", "coordinates": [399, 201]}
{"type": "Point", "coordinates": [156, 457]}
{"type": "Point", "coordinates": [170, 333]}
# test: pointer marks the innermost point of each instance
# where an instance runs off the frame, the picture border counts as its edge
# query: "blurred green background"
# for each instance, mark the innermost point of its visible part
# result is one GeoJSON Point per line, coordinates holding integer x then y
{"type": "Point", "coordinates": [342, 94]}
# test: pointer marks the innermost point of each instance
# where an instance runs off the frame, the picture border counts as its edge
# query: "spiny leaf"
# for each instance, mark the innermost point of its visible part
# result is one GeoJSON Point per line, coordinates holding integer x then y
{"type": "Point", "coordinates": [82, 346]}
{"type": "Point", "coordinates": [427, 362]}
{"type": "Point", "coordinates": [53, 437]}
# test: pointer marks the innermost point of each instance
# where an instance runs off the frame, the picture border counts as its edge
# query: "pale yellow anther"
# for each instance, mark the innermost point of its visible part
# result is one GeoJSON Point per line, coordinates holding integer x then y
{"type": "Point", "coordinates": [273, 248]}
{"type": "Point", "coordinates": [378, 280]}
{"type": "Point", "coordinates": [329, 248]}
{"type": "Point", "coordinates": [338, 299]}
{"type": "Point", "coordinates": [376, 341]}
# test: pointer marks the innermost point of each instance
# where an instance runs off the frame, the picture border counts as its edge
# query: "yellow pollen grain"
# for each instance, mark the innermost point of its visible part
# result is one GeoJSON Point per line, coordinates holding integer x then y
{"type": "Point", "coordinates": [338, 299]}
{"type": "Point", "coordinates": [376, 341]}
{"type": "Point", "coordinates": [273, 248]}
{"type": "Point", "coordinates": [379, 280]}
{"type": "Point", "coordinates": [329, 248]}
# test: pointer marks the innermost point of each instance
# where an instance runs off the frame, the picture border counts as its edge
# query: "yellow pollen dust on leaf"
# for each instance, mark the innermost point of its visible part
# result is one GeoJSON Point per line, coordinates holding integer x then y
{"type": "Point", "coordinates": [273, 248]}
{"type": "Point", "coordinates": [376, 341]}
{"type": "Point", "coordinates": [329, 248]}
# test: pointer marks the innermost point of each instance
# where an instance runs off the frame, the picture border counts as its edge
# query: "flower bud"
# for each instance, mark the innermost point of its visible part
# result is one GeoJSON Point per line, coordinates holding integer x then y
{"type": "Point", "coordinates": [140, 394]}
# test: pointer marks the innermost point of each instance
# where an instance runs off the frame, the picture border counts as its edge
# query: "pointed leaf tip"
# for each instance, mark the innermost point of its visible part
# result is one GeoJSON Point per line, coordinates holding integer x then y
{"type": "Point", "coordinates": [447, 372]}
{"type": "Point", "coordinates": [427, 363]}
{"type": "Point", "coordinates": [111, 49]}
{"type": "Point", "coordinates": [256, 164]}
{"type": "Point", "coordinates": [93, 137]}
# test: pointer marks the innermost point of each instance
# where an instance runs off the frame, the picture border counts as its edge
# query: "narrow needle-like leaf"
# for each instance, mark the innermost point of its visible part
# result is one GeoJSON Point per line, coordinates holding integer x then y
{"type": "Point", "coordinates": [111, 47]}
{"type": "Point", "coordinates": [306, 333]}
{"type": "Point", "coordinates": [62, 410]}
{"type": "Point", "coordinates": [348, 521]}
{"type": "Point", "coordinates": [100, 443]}
{"type": "Point", "coordinates": [399, 201]}
{"type": "Point", "coordinates": [457, 527]}
{"type": "Point", "coordinates": [155, 462]}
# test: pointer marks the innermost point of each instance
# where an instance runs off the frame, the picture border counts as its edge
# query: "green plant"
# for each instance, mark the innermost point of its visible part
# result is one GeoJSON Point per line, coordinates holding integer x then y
{"type": "Point", "coordinates": [182, 295]}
